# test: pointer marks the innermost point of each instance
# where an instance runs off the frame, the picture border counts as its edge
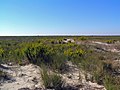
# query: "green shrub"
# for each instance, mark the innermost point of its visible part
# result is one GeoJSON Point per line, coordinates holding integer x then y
{"type": "Point", "coordinates": [75, 55]}
{"type": "Point", "coordinates": [111, 41]}
{"type": "Point", "coordinates": [83, 38]}
{"type": "Point", "coordinates": [1, 52]}
{"type": "Point", "coordinates": [37, 53]}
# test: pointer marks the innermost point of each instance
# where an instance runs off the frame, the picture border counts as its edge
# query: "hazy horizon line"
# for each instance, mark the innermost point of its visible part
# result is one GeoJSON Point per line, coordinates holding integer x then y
{"type": "Point", "coordinates": [63, 35]}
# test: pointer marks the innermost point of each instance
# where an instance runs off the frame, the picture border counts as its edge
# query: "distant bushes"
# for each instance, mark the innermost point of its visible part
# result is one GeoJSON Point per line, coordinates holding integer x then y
{"type": "Point", "coordinates": [75, 55]}
{"type": "Point", "coordinates": [111, 41]}
{"type": "Point", "coordinates": [82, 38]}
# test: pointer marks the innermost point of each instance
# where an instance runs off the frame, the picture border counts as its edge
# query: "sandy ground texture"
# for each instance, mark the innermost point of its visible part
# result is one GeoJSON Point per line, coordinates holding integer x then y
{"type": "Point", "coordinates": [22, 77]}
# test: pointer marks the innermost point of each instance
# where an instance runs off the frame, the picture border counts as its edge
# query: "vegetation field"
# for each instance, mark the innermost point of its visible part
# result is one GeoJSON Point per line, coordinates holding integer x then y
{"type": "Point", "coordinates": [52, 52]}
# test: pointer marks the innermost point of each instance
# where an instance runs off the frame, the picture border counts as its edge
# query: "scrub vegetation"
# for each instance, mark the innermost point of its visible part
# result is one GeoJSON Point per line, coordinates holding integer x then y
{"type": "Point", "coordinates": [52, 53]}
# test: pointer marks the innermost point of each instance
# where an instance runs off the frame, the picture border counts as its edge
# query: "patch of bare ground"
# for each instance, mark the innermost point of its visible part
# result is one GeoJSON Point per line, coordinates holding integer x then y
{"type": "Point", "coordinates": [24, 77]}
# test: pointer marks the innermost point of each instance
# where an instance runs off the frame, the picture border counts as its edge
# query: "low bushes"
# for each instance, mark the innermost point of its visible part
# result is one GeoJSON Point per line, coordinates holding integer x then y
{"type": "Point", "coordinates": [54, 57]}
{"type": "Point", "coordinates": [37, 53]}
{"type": "Point", "coordinates": [111, 41]}
{"type": "Point", "coordinates": [1, 54]}
{"type": "Point", "coordinates": [75, 55]}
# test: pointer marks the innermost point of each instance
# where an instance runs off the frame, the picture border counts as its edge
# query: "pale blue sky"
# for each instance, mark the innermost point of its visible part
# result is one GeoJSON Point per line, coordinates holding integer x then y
{"type": "Point", "coordinates": [37, 17]}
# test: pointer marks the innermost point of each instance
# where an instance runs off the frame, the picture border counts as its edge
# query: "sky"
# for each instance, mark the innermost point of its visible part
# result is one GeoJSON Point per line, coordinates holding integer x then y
{"type": "Point", "coordinates": [59, 17]}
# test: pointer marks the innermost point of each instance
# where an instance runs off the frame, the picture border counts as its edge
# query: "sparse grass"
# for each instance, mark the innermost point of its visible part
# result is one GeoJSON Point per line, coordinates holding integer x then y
{"type": "Point", "coordinates": [52, 81]}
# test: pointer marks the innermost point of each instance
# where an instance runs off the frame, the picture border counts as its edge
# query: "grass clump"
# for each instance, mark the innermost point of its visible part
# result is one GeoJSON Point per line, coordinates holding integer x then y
{"type": "Point", "coordinates": [52, 81]}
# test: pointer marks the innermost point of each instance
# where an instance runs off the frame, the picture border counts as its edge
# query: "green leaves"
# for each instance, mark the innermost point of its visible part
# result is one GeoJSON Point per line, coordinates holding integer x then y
{"type": "Point", "coordinates": [1, 52]}
{"type": "Point", "coordinates": [38, 53]}
{"type": "Point", "coordinates": [74, 53]}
